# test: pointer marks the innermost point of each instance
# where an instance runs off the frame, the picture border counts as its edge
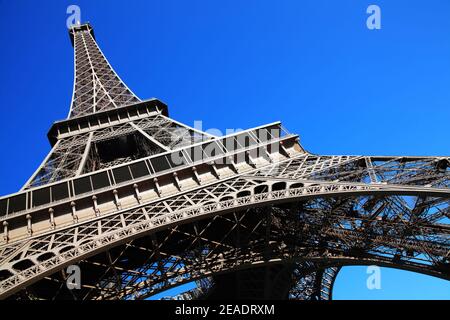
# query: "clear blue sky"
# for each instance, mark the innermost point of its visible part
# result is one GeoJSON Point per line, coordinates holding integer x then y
{"type": "Point", "coordinates": [237, 64]}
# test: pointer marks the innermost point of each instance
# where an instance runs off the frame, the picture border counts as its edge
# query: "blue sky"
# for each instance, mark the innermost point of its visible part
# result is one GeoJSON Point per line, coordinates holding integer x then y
{"type": "Point", "coordinates": [237, 64]}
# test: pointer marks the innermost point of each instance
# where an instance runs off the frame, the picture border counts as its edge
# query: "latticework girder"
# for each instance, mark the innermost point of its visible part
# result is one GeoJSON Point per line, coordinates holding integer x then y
{"type": "Point", "coordinates": [334, 223]}
{"type": "Point", "coordinates": [96, 87]}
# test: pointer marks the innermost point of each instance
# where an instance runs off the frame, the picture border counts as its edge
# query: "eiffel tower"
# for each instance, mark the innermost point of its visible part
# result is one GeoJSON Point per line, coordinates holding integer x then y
{"type": "Point", "coordinates": [142, 203]}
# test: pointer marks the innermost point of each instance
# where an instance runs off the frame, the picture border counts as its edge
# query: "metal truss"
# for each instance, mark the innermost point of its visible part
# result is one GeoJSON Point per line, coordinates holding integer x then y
{"type": "Point", "coordinates": [96, 87]}
{"type": "Point", "coordinates": [62, 161]}
{"type": "Point", "coordinates": [313, 282]}
{"type": "Point", "coordinates": [262, 218]}
{"type": "Point", "coordinates": [78, 153]}
{"type": "Point", "coordinates": [396, 225]}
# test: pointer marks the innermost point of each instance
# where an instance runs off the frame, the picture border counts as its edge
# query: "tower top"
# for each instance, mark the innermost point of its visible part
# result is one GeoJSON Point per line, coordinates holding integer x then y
{"type": "Point", "coordinates": [97, 87]}
{"type": "Point", "coordinates": [81, 27]}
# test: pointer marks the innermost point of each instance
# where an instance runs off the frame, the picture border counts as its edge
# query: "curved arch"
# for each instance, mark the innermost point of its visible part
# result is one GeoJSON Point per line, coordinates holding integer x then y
{"type": "Point", "coordinates": [323, 264]}
{"type": "Point", "coordinates": [243, 194]}
{"type": "Point", "coordinates": [262, 188]}
{"type": "Point", "coordinates": [188, 215]}
{"type": "Point", "coordinates": [277, 186]}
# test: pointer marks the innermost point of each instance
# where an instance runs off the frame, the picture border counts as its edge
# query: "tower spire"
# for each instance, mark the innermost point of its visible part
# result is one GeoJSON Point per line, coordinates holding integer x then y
{"type": "Point", "coordinates": [97, 87]}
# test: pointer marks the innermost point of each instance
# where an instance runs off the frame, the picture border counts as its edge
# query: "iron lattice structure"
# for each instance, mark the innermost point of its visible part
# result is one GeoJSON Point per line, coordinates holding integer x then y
{"type": "Point", "coordinates": [143, 203]}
